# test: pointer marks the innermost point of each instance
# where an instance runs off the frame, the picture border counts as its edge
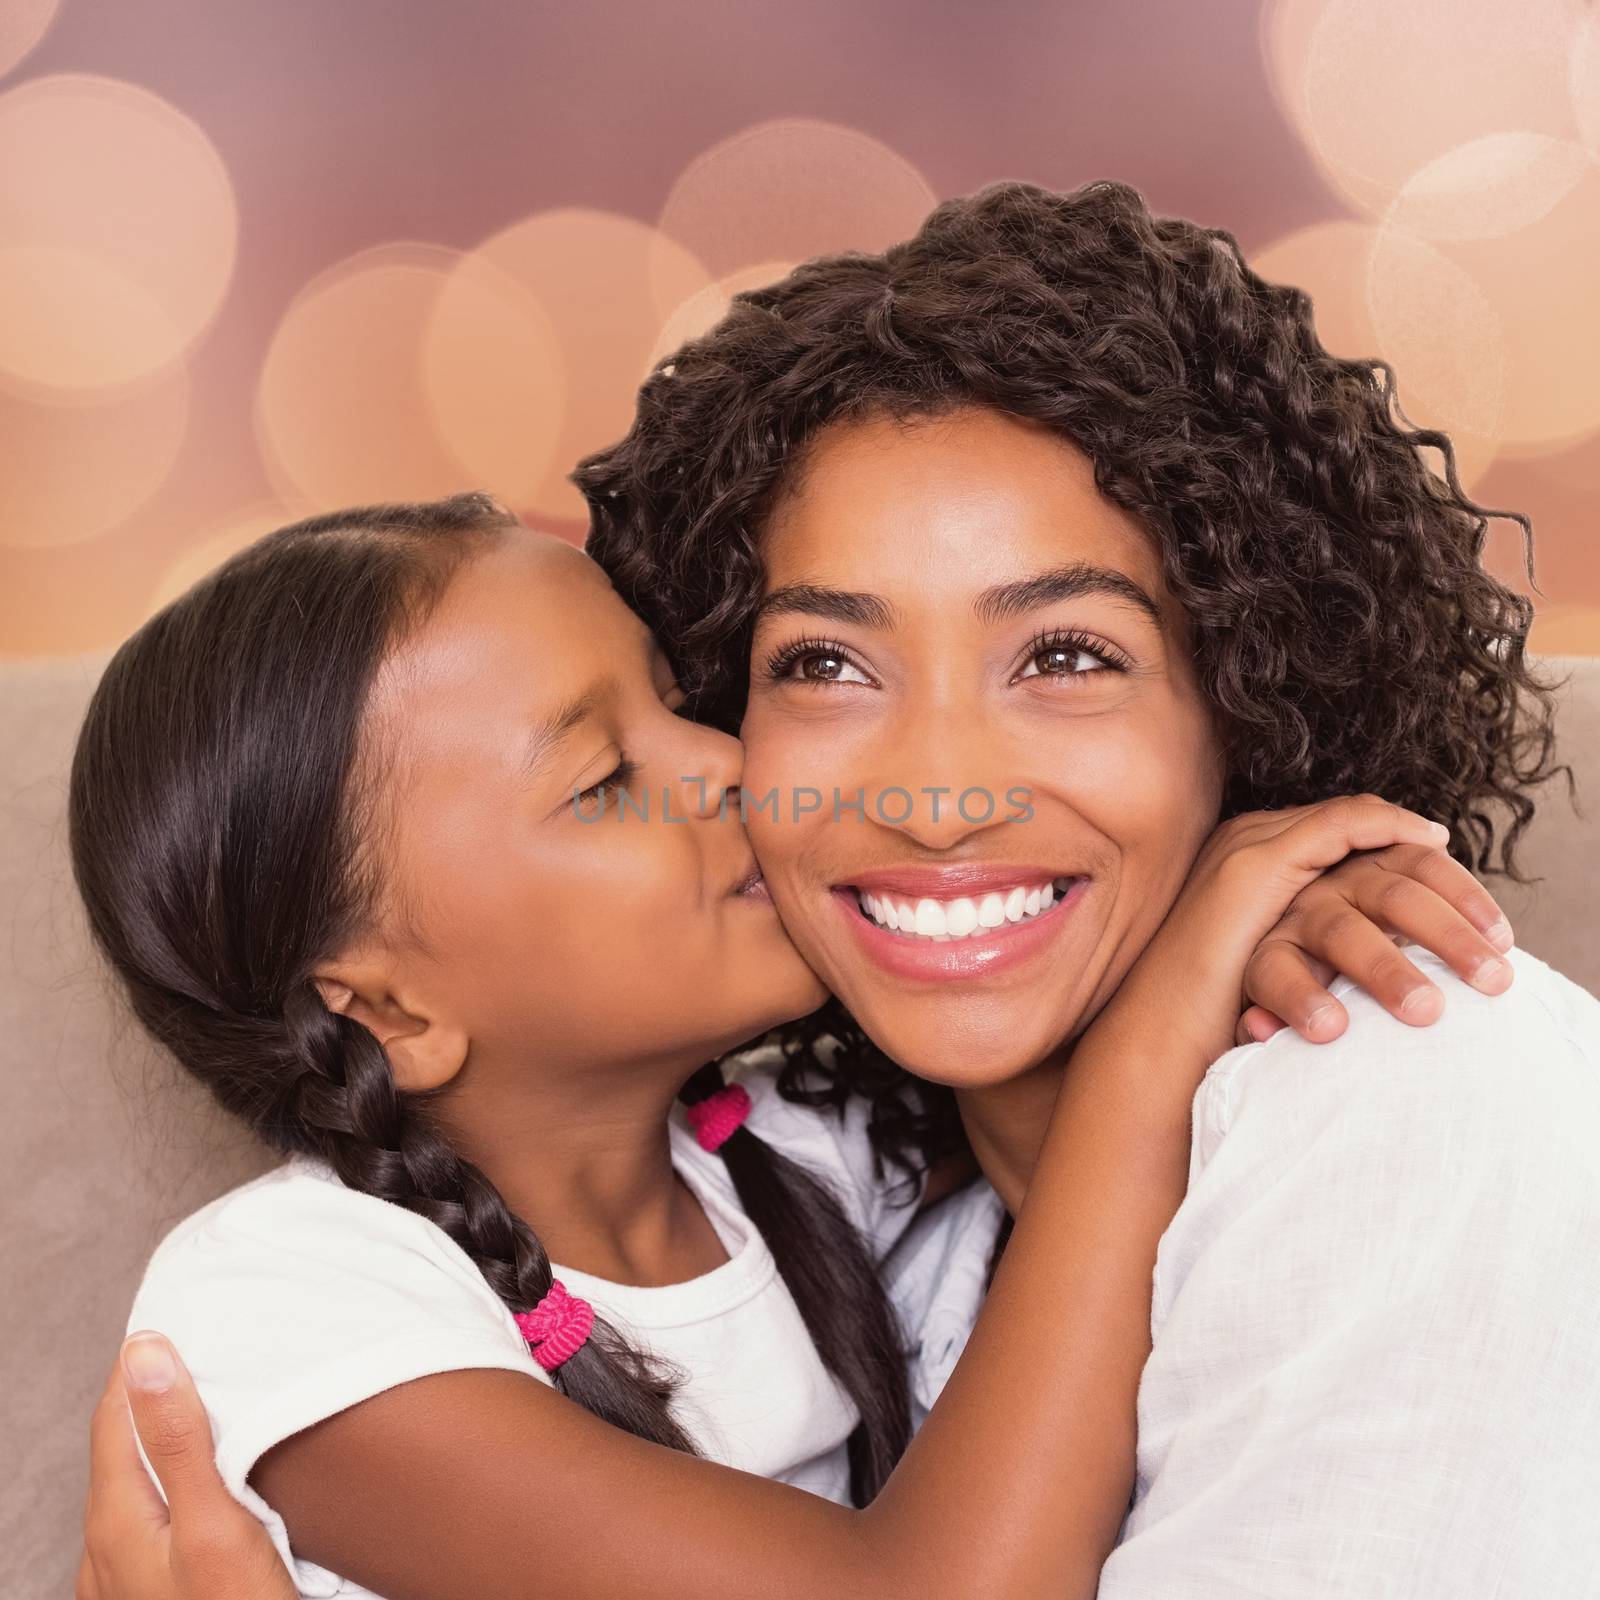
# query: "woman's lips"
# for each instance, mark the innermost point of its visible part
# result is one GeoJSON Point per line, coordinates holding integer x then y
{"type": "Point", "coordinates": [949, 882]}
{"type": "Point", "coordinates": [979, 954]}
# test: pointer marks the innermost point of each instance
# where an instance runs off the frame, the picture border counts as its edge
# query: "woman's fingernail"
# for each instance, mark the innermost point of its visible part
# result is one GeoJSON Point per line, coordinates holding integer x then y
{"type": "Point", "coordinates": [147, 1362]}
{"type": "Point", "coordinates": [1501, 936]}
{"type": "Point", "coordinates": [1491, 974]}
{"type": "Point", "coordinates": [1440, 829]}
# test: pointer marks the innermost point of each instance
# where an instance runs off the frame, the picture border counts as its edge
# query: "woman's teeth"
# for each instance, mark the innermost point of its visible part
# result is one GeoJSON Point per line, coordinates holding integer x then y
{"type": "Point", "coordinates": [961, 919]}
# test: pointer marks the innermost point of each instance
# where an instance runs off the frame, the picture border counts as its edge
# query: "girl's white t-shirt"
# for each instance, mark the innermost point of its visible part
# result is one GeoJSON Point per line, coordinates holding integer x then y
{"type": "Point", "coordinates": [292, 1298]}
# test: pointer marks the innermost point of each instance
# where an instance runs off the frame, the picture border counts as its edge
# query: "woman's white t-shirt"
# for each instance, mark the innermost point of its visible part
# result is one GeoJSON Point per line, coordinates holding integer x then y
{"type": "Point", "coordinates": [293, 1297]}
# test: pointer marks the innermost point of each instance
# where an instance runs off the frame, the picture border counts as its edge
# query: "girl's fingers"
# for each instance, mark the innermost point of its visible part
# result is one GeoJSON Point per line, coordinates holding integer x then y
{"type": "Point", "coordinates": [1457, 887]}
{"type": "Point", "coordinates": [1280, 981]}
{"type": "Point", "coordinates": [1354, 943]}
{"type": "Point", "coordinates": [1303, 843]}
{"type": "Point", "coordinates": [1369, 822]}
{"type": "Point", "coordinates": [1400, 902]}
{"type": "Point", "coordinates": [1257, 1024]}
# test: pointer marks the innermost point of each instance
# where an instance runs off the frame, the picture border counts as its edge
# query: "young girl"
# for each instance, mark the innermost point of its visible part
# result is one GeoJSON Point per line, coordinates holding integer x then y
{"type": "Point", "coordinates": [336, 819]}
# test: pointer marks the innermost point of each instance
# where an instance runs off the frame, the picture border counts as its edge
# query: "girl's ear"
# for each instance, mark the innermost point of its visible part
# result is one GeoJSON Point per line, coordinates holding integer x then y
{"type": "Point", "coordinates": [424, 1051]}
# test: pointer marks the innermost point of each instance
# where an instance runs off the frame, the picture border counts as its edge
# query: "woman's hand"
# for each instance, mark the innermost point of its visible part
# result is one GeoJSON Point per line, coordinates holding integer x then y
{"type": "Point", "coordinates": [198, 1544]}
{"type": "Point", "coordinates": [1347, 921]}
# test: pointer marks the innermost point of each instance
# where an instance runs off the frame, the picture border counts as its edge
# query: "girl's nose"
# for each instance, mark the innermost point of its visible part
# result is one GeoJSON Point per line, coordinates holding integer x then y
{"type": "Point", "coordinates": [710, 782]}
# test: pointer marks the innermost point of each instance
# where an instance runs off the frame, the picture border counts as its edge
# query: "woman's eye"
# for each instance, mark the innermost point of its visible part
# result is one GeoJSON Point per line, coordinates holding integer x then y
{"type": "Point", "coordinates": [1067, 658]}
{"type": "Point", "coordinates": [829, 668]}
{"type": "Point", "coordinates": [816, 663]}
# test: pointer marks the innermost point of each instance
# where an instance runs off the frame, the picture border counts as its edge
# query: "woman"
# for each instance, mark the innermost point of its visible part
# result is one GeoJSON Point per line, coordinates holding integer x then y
{"type": "Point", "coordinates": [1061, 494]}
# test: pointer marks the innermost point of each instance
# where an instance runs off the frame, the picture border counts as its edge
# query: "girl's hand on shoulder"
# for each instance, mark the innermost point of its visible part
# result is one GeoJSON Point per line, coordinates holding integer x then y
{"type": "Point", "coordinates": [1188, 984]}
{"type": "Point", "coordinates": [1347, 921]}
{"type": "Point", "coordinates": [197, 1544]}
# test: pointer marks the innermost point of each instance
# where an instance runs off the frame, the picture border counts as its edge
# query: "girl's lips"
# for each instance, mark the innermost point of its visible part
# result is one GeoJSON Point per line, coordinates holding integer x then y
{"type": "Point", "coordinates": [979, 955]}
{"type": "Point", "coordinates": [752, 886]}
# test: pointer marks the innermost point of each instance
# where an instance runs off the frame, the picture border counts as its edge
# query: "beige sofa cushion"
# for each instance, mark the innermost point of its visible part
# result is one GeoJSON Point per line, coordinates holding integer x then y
{"type": "Point", "coordinates": [105, 1146]}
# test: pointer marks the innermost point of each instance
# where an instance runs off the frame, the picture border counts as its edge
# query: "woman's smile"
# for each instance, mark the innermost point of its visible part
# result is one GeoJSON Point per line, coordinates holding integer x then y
{"type": "Point", "coordinates": [939, 924]}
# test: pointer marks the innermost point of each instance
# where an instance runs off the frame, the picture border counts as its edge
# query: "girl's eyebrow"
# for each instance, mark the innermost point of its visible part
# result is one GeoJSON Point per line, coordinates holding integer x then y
{"type": "Point", "coordinates": [548, 733]}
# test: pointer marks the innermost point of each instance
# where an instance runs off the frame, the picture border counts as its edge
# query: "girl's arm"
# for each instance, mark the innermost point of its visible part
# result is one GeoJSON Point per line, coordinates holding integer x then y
{"type": "Point", "coordinates": [1345, 921]}
{"type": "Point", "coordinates": [493, 1485]}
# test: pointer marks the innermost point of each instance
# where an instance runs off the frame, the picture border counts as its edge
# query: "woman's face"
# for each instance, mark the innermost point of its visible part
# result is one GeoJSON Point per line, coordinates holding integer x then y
{"type": "Point", "coordinates": [549, 937]}
{"type": "Point", "coordinates": [954, 617]}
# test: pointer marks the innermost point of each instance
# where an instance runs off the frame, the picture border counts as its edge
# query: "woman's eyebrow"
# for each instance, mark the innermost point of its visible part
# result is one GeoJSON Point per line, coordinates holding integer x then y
{"type": "Point", "coordinates": [993, 605]}
{"type": "Point", "coordinates": [1063, 583]}
{"type": "Point", "coordinates": [837, 605]}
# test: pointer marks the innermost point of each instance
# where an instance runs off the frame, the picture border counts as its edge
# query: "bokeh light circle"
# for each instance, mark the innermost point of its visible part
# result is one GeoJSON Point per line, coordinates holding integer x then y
{"type": "Point", "coordinates": [1583, 80]}
{"type": "Point", "coordinates": [1576, 465]}
{"type": "Point", "coordinates": [1537, 284]}
{"type": "Point", "coordinates": [606, 284]}
{"type": "Point", "coordinates": [23, 23]}
{"type": "Point", "coordinates": [215, 544]}
{"type": "Point", "coordinates": [1488, 187]}
{"type": "Point", "coordinates": [118, 233]}
{"type": "Point", "coordinates": [1563, 630]}
{"type": "Point", "coordinates": [704, 309]}
{"type": "Point", "coordinates": [1284, 30]}
{"type": "Point", "coordinates": [496, 379]}
{"type": "Point", "coordinates": [1379, 90]}
{"type": "Point", "coordinates": [71, 470]}
{"type": "Point", "coordinates": [1439, 330]}
{"type": "Point", "coordinates": [792, 188]}
{"type": "Point", "coordinates": [342, 412]}
{"type": "Point", "coordinates": [88, 325]}
{"type": "Point", "coordinates": [1332, 262]}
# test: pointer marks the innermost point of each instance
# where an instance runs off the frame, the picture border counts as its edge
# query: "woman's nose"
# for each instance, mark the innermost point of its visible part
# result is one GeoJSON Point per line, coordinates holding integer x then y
{"type": "Point", "coordinates": [938, 816]}
{"type": "Point", "coordinates": [941, 779]}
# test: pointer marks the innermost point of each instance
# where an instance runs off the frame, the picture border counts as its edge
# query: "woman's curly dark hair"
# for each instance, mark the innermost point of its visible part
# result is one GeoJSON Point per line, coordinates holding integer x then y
{"type": "Point", "coordinates": [1345, 632]}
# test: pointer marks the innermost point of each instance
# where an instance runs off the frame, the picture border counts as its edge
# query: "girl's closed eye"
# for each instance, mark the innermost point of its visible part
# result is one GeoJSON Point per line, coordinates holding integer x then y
{"type": "Point", "coordinates": [817, 661]}
{"type": "Point", "coordinates": [619, 777]}
{"type": "Point", "coordinates": [1060, 653]}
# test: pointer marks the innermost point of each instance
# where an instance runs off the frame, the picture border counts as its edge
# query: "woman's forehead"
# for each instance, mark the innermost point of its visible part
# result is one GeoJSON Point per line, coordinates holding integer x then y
{"type": "Point", "coordinates": [957, 502]}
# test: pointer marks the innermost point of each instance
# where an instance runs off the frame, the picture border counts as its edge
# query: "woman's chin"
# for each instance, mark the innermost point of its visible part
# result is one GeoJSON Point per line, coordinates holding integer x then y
{"type": "Point", "coordinates": [971, 1061]}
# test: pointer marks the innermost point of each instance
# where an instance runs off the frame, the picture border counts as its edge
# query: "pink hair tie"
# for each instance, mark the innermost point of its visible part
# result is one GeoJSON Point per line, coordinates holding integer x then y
{"type": "Point", "coordinates": [719, 1116]}
{"type": "Point", "coordinates": [557, 1327]}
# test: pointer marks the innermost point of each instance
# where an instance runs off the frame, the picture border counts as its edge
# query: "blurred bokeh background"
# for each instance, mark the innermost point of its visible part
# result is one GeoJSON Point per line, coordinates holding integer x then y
{"type": "Point", "coordinates": [263, 258]}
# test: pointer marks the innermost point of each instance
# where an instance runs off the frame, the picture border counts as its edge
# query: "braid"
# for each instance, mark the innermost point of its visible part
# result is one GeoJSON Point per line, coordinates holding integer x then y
{"type": "Point", "coordinates": [834, 1280]}
{"type": "Point", "coordinates": [344, 1107]}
